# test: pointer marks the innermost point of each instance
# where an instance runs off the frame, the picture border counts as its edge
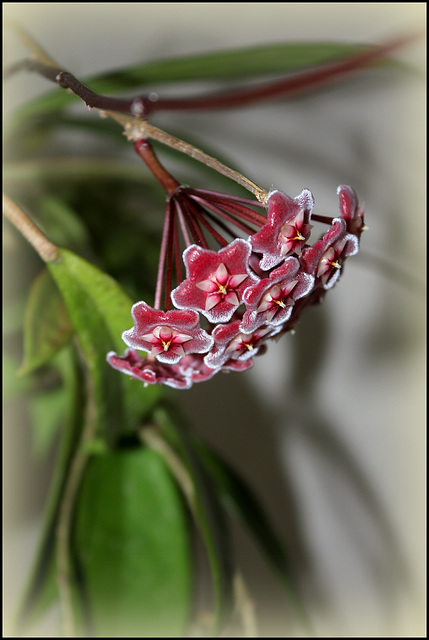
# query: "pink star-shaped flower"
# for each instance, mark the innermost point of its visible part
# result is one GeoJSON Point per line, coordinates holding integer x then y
{"type": "Point", "coordinates": [325, 258]}
{"type": "Point", "coordinates": [215, 280]}
{"type": "Point", "coordinates": [350, 210]}
{"type": "Point", "coordinates": [237, 365]}
{"type": "Point", "coordinates": [271, 300]}
{"type": "Point", "coordinates": [287, 229]}
{"type": "Point", "coordinates": [194, 369]}
{"type": "Point", "coordinates": [166, 335]}
{"type": "Point", "coordinates": [232, 344]}
{"type": "Point", "coordinates": [149, 372]}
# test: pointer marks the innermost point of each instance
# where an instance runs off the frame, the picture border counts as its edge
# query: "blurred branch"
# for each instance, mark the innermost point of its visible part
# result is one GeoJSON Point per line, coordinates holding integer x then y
{"type": "Point", "coordinates": [44, 247]}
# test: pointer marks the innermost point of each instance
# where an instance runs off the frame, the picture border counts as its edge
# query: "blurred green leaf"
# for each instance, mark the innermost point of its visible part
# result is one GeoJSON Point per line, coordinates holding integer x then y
{"type": "Point", "coordinates": [41, 590]}
{"type": "Point", "coordinates": [74, 169]}
{"type": "Point", "coordinates": [234, 63]}
{"type": "Point", "coordinates": [14, 385]}
{"type": "Point", "coordinates": [241, 501]}
{"type": "Point", "coordinates": [47, 324]}
{"type": "Point", "coordinates": [132, 548]}
{"type": "Point", "coordinates": [239, 63]}
{"type": "Point", "coordinates": [62, 224]}
{"type": "Point", "coordinates": [100, 311]}
{"type": "Point", "coordinates": [13, 316]}
{"type": "Point", "coordinates": [47, 413]}
{"type": "Point", "coordinates": [208, 512]}
{"type": "Point", "coordinates": [94, 169]}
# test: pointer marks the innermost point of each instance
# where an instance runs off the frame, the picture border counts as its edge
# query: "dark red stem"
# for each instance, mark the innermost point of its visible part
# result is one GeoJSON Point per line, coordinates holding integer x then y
{"type": "Point", "coordinates": [172, 233]}
{"type": "Point", "coordinates": [318, 218]}
{"type": "Point", "coordinates": [194, 228]}
{"type": "Point", "coordinates": [162, 256]}
{"type": "Point", "coordinates": [146, 153]}
{"type": "Point", "coordinates": [194, 211]}
{"type": "Point", "coordinates": [229, 217]}
{"type": "Point", "coordinates": [143, 106]}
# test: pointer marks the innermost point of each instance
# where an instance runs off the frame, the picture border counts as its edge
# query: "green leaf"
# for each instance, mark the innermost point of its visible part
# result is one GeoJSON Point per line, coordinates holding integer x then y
{"type": "Point", "coordinates": [220, 65]}
{"type": "Point", "coordinates": [132, 549]}
{"type": "Point", "coordinates": [14, 385]}
{"type": "Point", "coordinates": [74, 170]}
{"type": "Point", "coordinates": [41, 590]}
{"type": "Point", "coordinates": [47, 414]}
{"type": "Point", "coordinates": [100, 311]}
{"type": "Point", "coordinates": [208, 512]}
{"type": "Point", "coordinates": [13, 314]}
{"type": "Point", "coordinates": [83, 169]}
{"type": "Point", "coordinates": [62, 224]}
{"type": "Point", "coordinates": [240, 500]}
{"type": "Point", "coordinates": [47, 324]}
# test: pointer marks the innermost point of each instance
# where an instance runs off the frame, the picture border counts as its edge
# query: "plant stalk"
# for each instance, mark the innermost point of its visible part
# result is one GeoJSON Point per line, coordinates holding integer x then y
{"type": "Point", "coordinates": [44, 247]}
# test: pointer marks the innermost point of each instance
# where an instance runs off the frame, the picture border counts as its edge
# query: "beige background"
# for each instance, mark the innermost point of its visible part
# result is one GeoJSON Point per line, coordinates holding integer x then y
{"type": "Point", "coordinates": [329, 426]}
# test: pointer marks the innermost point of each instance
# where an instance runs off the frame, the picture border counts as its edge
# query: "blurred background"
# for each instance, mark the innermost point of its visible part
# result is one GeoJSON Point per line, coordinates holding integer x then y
{"type": "Point", "coordinates": [329, 426]}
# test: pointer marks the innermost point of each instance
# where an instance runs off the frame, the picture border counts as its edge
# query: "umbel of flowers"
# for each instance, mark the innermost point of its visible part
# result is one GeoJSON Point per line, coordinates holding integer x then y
{"type": "Point", "coordinates": [236, 298]}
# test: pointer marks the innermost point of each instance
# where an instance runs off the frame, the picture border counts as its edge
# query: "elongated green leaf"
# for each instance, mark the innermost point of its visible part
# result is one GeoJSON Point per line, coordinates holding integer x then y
{"type": "Point", "coordinates": [74, 169]}
{"type": "Point", "coordinates": [132, 547]}
{"type": "Point", "coordinates": [220, 65]}
{"type": "Point", "coordinates": [100, 311]}
{"type": "Point", "coordinates": [240, 500]}
{"type": "Point", "coordinates": [47, 323]}
{"type": "Point", "coordinates": [209, 515]}
{"type": "Point", "coordinates": [41, 590]}
{"type": "Point", "coordinates": [47, 414]}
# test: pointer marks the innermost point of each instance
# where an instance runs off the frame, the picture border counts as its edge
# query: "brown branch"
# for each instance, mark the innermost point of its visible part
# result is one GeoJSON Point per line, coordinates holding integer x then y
{"type": "Point", "coordinates": [44, 247]}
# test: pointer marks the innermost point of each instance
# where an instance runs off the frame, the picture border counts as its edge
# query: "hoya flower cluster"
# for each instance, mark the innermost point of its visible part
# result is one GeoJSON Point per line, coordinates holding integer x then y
{"type": "Point", "coordinates": [233, 302]}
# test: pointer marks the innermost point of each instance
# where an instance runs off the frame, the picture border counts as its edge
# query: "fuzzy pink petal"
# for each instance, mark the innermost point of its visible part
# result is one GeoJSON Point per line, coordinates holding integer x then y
{"type": "Point", "coordinates": [212, 300]}
{"type": "Point", "coordinates": [177, 349]}
{"type": "Point", "coordinates": [156, 350]}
